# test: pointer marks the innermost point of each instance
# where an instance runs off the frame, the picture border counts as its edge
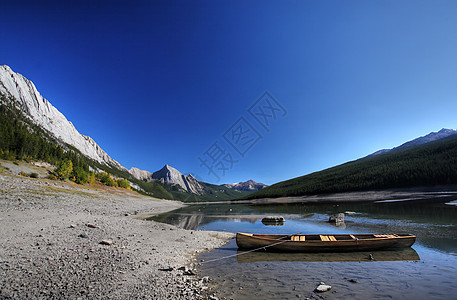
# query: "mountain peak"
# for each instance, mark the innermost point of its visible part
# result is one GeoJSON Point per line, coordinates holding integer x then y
{"type": "Point", "coordinates": [140, 174]}
{"type": "Point", "coordinates": [447, 130]}
{"type": "Point", "coordinates": [249, 185]}
{"type": "Point", "coordinates": [170, 175]}
{"type": "Point", "coordinates": [41, 112]}
{"type": "Point", "coordinates": [431, 137]}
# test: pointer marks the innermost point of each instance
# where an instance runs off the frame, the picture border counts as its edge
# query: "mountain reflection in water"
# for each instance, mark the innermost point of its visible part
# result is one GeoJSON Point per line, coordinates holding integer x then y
{"type": "Point", "coordinates": [433, 222]}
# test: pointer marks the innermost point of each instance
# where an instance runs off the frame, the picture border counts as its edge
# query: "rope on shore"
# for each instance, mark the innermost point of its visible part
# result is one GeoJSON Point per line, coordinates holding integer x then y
{"type": "Point", "coordinates": [249, 251]}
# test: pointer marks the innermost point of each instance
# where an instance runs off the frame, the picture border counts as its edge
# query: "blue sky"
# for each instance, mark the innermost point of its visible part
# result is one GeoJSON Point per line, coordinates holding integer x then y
{"type": "Point", "coordinates": [159, 82]}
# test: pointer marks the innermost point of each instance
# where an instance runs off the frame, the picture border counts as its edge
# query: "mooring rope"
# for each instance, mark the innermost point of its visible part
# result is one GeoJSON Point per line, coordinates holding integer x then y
{"type": "Point", "coordinates": [249, 251]}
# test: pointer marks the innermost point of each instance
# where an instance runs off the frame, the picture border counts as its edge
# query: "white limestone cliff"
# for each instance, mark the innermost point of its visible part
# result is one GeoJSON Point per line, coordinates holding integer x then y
{"type": "Point", "coordinates": [42, 113]}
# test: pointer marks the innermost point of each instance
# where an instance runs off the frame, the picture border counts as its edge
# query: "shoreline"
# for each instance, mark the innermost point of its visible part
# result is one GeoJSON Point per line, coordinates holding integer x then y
{"type": "Point", "coordinates": [62, 240]}
{"type": "Point", "coordinates": [410, 194]}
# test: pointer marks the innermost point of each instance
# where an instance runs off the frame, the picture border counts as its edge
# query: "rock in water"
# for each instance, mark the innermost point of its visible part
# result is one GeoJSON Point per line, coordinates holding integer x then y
{"type": "Point", "coordinates": [338, 218]}
{"type": "Point", "coordinates": [273, 220]}
{"type": "Point", "coordinates": [322, 287]}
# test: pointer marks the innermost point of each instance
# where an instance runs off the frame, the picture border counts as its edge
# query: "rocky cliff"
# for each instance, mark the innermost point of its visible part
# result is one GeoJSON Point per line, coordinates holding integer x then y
{"type": "Point", "coordinates": [27, 98]}
{"type": "Point", "coordinates": [170, 175]}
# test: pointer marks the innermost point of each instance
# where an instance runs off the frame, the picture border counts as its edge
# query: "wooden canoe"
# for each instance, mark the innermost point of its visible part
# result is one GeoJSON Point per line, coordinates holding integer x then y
{"type": "Point", "coordinates": [323, 242]}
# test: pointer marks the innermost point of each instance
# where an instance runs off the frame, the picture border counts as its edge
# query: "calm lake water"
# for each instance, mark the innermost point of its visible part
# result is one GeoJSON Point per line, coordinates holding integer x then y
{"type": "Point", "coordinates": [427, 271]}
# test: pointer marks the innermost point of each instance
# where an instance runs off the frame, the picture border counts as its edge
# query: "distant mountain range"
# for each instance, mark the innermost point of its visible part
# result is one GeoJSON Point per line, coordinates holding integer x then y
{"type": "Point", "coordinates": [431, 137]}
{"type": "Point", "coordinates": [22, 94]}
{"type": "Point", "coordinates": [427, 161]}
{"type": "Point", "coordinates": [424, 161]}
{"type": "Point", "coordinates": [170, 175]}
{"type": "Point", "coordinates": [250, 186]}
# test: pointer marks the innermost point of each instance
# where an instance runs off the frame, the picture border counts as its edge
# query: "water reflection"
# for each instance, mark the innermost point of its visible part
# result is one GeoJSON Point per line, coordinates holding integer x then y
{"type": "Point", "coordinates": [407, 254]}
{"type": "Point", "coordinates": [433, 222]}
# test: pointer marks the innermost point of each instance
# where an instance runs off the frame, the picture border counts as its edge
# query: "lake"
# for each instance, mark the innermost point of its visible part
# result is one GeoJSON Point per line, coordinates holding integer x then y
{"type": "Point", "coordinates": [427, 271]}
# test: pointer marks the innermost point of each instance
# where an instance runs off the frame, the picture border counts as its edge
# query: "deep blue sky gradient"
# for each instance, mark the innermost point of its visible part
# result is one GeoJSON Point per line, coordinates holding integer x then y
{"type": "Point", "coordinates": [156, 82]}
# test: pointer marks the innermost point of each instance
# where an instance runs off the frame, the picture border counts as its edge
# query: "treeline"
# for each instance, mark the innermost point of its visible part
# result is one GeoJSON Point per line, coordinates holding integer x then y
{"type": "Point", "coordinates": [65, 171]}
{"type": "Point", "coordinates": [21, 139]}
{"type": "Point", "coordinates": [430, 164]}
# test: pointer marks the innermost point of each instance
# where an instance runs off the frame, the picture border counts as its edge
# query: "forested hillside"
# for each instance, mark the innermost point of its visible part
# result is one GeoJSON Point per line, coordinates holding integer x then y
{"type": "Point", "coordinates": [21, 139]}
{"type": "Point", "coordinates": [430, 164]}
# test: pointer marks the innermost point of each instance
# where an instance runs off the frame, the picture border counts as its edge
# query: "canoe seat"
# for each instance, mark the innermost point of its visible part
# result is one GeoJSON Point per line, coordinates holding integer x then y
{"type": "Point", "coordinates": [298, 238]}
{"type": "Point", "coordinates": [327, 238]}
{"type": "Point", "coordinates": [385, 235]}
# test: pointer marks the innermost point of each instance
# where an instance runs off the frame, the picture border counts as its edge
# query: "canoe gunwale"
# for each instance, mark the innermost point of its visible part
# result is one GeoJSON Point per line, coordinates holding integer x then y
{"type": "Point", "coordinates": [282, 244]}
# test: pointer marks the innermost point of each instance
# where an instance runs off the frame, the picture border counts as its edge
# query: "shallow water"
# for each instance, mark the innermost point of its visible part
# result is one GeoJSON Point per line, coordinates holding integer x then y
{"type": "Point", "coordinates": [427, 271]}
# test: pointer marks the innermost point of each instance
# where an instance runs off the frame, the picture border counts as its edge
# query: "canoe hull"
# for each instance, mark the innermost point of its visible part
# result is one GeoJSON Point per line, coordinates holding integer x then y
{"type": "Point", "coordinates": [314, 243]}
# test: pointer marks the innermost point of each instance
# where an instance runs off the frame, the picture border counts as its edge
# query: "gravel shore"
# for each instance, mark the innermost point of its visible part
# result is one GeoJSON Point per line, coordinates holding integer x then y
{"type": "Point", "coordinates": [62, 240]}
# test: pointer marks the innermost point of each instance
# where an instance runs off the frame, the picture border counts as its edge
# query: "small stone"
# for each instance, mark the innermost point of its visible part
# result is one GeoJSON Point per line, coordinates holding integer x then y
{"type": "Point", "coordinates": [106, 242]}
{"type": "Point", "coordinates": [205, 279]}
{"type": "Point", "coordinates": [322, 287]}
{"type": "Point", "coordinates": [353, 281]}
{"type": "Point", "coordinates": [91, 225]}
{"type": "Point", "coordinates": [72, 226]}
{"type": "Point", "coordinates": [167, 269]}
{"type": "Point", "coordinates": [83, 235]}
{"type": "Point", "coordinates": [187, 271]}
{"type": "Point", "coordinates": [336, 218]}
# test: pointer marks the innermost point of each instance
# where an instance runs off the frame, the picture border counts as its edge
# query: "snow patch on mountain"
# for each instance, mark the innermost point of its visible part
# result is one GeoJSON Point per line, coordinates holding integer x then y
{"type": "Point", "coordinates": [41, 112]}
